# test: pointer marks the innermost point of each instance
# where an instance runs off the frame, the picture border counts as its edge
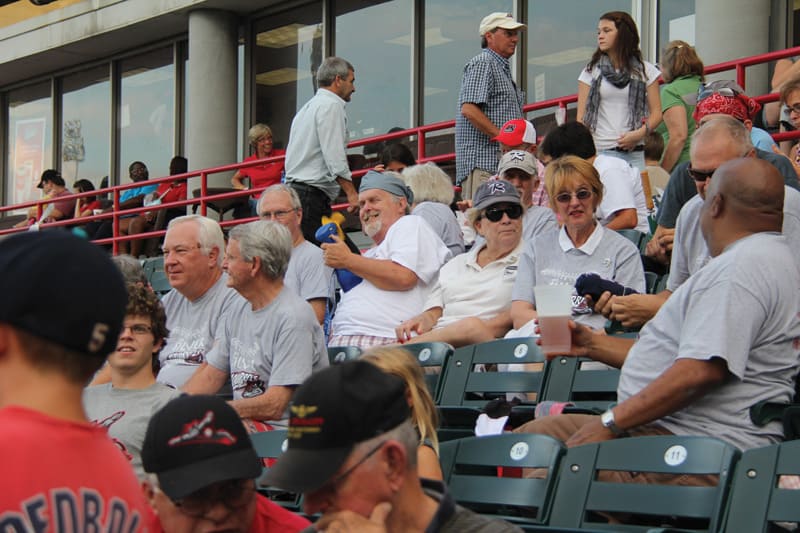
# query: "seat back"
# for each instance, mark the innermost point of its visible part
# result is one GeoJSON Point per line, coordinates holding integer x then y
{"type": "Point", "coordinates": [269, 445]}
{"type": "Point", "coordinates": [591, 386]}
{"type": "Point", "coordinates": [465, 384]}
{"type": "Point", "coordinates": [759, 496]}
{"type": "Point", "coordinates": [340, 354]}
{"type": "Point", "coordinates": [471, 474]}
{"type": "Point", "coordinates": [635, 236]}
{"type": "Point", "coordinates": [585, 499]}
{"type": "Point", "coordinates": [433, 358]}
{"type": "Point", "coordinates": [159, 282]}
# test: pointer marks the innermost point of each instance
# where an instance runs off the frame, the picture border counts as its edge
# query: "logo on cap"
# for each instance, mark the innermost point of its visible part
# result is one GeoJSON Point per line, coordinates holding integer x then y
{"type": "Point", "coordinates": [303, 410]}
{"type": "Point", "coordinates": [202, 432]}
{"type": "Point", "coordinates": [516, 156]}
{"type": "Point", "coordinates": [509, 128]}
{"type": "Point", "coordinates": [497, 187]}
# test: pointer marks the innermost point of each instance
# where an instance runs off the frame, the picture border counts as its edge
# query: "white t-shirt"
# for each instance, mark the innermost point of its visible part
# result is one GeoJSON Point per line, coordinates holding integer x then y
{"type": "Point", "coordinates": [613, 114]}
{"type": "Point", "coordinates": [465, 289]}
{"type": "Point", "coordinates": [368, 310]}
{"type": "Point", "coordinates": [622, 189]}
{"type": "Point", "coordinates": [192, 329]}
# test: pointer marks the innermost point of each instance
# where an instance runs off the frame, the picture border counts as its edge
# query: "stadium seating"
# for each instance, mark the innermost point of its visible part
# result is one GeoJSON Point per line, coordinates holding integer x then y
{"type": "Point", "coordinates": [270, 445]}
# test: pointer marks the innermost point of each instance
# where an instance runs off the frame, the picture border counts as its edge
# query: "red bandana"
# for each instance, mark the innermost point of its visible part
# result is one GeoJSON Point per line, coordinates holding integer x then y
{"type": "Point", "coordinates": [740, 107]}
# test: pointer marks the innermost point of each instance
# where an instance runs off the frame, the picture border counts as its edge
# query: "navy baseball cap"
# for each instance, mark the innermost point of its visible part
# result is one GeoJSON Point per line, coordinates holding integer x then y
{"type": "Point", "coordinates": [332, 411]}
{"type": "Point", "coordinates": [63, 289]}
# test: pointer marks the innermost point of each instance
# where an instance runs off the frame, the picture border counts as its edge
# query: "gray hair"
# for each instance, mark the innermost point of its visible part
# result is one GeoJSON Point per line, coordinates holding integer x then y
{"type": "Point", "coordinates": [130, 268]}
{"type": "Point", "coordinates": [728, 126]}
{"type": "Point", "coordinates": [332, 67]}
{"type": "Point", "coordinates": [269, 241]}
{"type": "Point", "coordinates": [278, 187]}
{"type": "Point", "coordinates": [209, 234]}
{"type": "Point", "coordinates": [405, 434]}
{"type": "Point", "coordinates": [258, 131]}
{"type": "Point", "coordinates": [429, 183]}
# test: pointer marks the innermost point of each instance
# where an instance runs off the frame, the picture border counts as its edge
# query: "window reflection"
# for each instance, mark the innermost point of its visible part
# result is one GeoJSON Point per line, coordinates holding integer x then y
{"type": "Point", "coordinates": [29, 146]}
{"type": "Point", "coordinates": [146, 114]}
{"type": "Point", "coordinates": [451, 39]}
{"type": "Point", "coordinates": [85, 127]}
{"type": "Point", "coordinates": [287, 53]}
{"type": "Point", "coordinates": [383, 68]}
{"type": "Point", "coordinates": [675, 21]}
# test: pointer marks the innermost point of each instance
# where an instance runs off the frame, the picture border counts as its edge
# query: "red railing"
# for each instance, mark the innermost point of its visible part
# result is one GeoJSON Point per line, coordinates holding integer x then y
{"type": "Point", "coordinates": [421, 132]}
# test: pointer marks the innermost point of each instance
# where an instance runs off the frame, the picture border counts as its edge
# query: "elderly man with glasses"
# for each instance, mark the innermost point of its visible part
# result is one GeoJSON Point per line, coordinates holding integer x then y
{"type": "Point", "coordinates": [307, 273]}
{"type": "Point", "coordinates": [720, 98]}
{"type": "Point", "coordinates": [201, 472]}
{"type": "Point", "coordinates": [722, 139]}
{"type": "Point", "coordinates": [352, 452]}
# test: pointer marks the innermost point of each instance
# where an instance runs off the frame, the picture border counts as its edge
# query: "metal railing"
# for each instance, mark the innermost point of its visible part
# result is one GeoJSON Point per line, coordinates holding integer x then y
{"type": "Point", "coordinates": [421, 133]}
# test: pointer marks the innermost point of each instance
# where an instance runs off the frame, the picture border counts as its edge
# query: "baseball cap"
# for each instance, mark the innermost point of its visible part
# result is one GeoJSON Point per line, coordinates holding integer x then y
{"type": "Point", "coordinates": [52, 176]}
{"type": "Point", "coordinates": [386, 181]}
{"type": "Point", "coordinates": [498, 20]}
{"type": "Point", "coordinates": [63, 289]}
{"type": "Point", "coordinates": [515, 132]}
{"type": "Point", "coordinates": [524, 161]}
{"type": "Point", "coordinates": [332, 411]}
{"type": "Point", "coordinates": [195, 441]}
{"type": "Point", "coordinates": [494, 192]}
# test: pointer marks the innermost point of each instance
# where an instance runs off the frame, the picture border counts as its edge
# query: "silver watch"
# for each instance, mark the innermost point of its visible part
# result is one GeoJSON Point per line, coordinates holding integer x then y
{"type": "Point", "coordinates": [607, 419]}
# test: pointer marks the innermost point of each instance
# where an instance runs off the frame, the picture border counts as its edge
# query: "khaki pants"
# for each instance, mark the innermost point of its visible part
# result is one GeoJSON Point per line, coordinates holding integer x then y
{"type": "Point", "coordinates": [473, 181]}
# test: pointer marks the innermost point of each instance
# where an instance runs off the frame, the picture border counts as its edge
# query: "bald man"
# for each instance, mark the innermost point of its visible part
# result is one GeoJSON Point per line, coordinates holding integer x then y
{"type": "Point", "coordinates": [721, 139]}
{"type": "Point", "coordinates": [725, 340]}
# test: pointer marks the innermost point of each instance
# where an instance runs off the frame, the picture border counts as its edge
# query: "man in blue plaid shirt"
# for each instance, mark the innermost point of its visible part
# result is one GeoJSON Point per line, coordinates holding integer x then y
{"type": "Point", "coordinates": [487, 100]}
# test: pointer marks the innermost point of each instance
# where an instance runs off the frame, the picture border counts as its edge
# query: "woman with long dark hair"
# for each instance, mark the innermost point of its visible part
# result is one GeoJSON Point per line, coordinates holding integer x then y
{"type": "Point", "coordinates": [618, 91]}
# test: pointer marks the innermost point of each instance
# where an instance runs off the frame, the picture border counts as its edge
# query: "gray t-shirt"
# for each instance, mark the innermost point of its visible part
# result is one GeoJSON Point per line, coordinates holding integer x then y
{"type": "Point", "coordinates": [743, 309]}
{"type": "Point", "coordinates": [307, 275]}
{"type": "Point", "coordinates": [192, 327]}
{"type": "Point", "coordinates": [125, 413]}
{"type": "Point", "coordinates": [280, 344]}
{"type": "Point", "coordinates": [690, 253]}
{"type": "Point", "coordinates": [538, 219]}
{"type": "Point", "coordinates": [551, 259]}
{"type": "Point", "coordinates": [443, 221]}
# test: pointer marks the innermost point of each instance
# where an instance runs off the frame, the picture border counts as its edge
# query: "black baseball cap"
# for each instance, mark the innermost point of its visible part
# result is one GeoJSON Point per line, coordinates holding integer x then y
{"type": "Point", "coordinates": [63, 289]}
{"type": "Point", "coordinates": [51, 176]}
{"type": "Point", "coordinates": [195, 441]}
{"type": "Point", "coordinates": [332, 411]}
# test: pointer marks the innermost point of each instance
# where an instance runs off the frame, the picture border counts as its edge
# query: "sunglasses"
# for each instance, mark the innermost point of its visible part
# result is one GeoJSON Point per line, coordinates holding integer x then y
{"type": "Point", "coordinates": [700, 175]}
{"type": "Point", "coordinates": [581, 194]}
{"type": "Point", "coordinates": [705, 92]}
{"type": "Point", "coordinates": [495, 214]}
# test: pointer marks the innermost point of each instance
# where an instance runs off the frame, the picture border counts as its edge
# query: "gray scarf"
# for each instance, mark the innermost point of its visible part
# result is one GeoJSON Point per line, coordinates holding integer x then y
{"type": "Point", "coordinates": [637, 93]}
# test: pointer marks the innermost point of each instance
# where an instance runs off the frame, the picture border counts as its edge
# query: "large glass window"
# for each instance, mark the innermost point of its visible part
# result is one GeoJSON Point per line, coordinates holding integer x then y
{"type": "Point", "coordinates": [288, 51]}
{"type": "Point", "coordinates": [85, 126]}
{"type": "Point", "coordinates": [451, 39]}
{"type": "Point", "coordinates": [146, 114]}
{"type": "Point", "coordinates": [29, 141]}
{"type": "Point", "coordinates": [379, 41]}
{"type": "Point", "coordinates": [675, 21]}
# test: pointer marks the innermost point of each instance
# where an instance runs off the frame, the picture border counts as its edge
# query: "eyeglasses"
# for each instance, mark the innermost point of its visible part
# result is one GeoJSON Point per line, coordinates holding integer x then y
{"type": "Point", "coordinates": [180, 250]}
{"type": "Point", "coordinates": [794, 108]}
{"type": "Point", "coordinates": [495, 214]}
{"type": "Point", "coordinates": [705, 92]}
{"type": "Point", "coordinates": [276, 214]}
{"type": "Point", "coordinates": [700, 175]}
{"type": "Point", "coordinates": [334, 484]}
{"type": "Point", "coordinates": [580, 194]}
{"type": "Point", "coordinates": [137, 329]}
{"type": "Point", "coordinates": [234, 495]}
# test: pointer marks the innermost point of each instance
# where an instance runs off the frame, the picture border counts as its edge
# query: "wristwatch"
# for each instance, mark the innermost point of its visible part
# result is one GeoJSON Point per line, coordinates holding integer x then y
{"type": "Point", "coordinates": [607, 419]}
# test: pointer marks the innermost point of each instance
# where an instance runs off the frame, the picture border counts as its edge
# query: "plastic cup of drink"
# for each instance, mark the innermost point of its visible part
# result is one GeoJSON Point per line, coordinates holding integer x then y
{"type": "Point", "coordinates": [554, 309]}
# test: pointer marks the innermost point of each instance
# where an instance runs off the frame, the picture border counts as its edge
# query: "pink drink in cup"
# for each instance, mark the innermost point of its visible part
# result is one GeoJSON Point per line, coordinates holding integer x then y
{"type": "Point", "coordinates": [554, 308]}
